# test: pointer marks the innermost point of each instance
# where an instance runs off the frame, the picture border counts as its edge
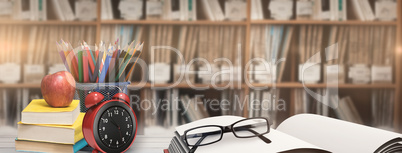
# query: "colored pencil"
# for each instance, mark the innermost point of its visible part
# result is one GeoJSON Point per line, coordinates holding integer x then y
{"type": "Point", "coordinates": [84, 65]}
{"type": "Point", "coordinates": [80, 70]}
{"type": "Point", "coordinates": [63, 56]}
{"type": "Point", "coordinates": [126, 61]}
{"type": "Point", "coordinates": [91, 58]}
{"type": "Point", "coordinates": [132, 67]}
{"type": "Point", "coordinates": [96, 71]}
{"type": "Point", "coordinates": [106, 65]}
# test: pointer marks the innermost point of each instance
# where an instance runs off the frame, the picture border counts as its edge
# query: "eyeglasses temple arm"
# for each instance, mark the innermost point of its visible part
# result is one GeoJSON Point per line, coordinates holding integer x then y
{"type": "Point", "coordinates": [266, 140]}
{"type": "Point", "coordinates": [192, 150]}
{"type": "Point", "coordinates": [247, 127]}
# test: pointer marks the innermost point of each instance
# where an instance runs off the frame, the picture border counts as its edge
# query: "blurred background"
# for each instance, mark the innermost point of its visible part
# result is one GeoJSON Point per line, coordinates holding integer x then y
{"type": "Point", "coordinates": [366, 36]}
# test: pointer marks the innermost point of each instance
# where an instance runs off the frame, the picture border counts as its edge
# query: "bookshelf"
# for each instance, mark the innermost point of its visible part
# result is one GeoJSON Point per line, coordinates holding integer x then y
{"type": "Point", "coordinates": [317, 22]}
{"type": "Point", "coordinates": [290, 85]}
{"type": "Point", "coordinates": [54, 22]}
{"type": "Point", "coordinates": [138, 85]}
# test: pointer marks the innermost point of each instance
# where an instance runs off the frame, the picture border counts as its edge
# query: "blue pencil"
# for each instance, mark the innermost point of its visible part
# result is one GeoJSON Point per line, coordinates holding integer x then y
{"type": "Point", "coordinates": [106, 65]}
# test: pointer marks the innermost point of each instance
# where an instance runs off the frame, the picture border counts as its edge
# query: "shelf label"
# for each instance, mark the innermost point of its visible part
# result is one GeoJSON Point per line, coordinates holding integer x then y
{"type": "Point", "coordinates": [207, 76]}
{"type": "Point", "coordinates": [34, 69]}
{"type": "Point", "coordinates": [381, 73]}
{"type": "Point", "coordinates": [359, 73]}
{"type": "Point", "coordinates": [159, 72]}
{"type": "Point", "coordinates": [236, 74]}
{"type": "Point", "coordinates": [185, 70]}
{"type": "Point", "coordinates": [85, 10]}
{"type": "Point", "coordinates": [388, 10]}
{"type": "Point", "coordinates": [11, 73]}
{"type": "Point", "coordinates": [5, 7]}
{"type": "Point", "coordinates": [131, 9]}
{"type": "Point", "coordinates": [235, 10]}
{"type": "Point", "coordinates": [309, 73]}
{"type": "Point", "coordinates": [154, 8]}
{"type": "Point", "coordinates": [57, 68]}
{"type": "Point", "coordinates": [304, 8]}
{"type": "Point", "coordinates": [335, 73]}
{"type": "Point", "coordinates": [281, 9]}
{"type": "Point", "coordinates": [263, 74]}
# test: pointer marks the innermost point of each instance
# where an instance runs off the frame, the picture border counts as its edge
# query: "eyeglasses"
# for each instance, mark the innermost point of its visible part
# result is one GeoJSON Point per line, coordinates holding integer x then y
{"type": "Point", "coordinates": [209, 134]}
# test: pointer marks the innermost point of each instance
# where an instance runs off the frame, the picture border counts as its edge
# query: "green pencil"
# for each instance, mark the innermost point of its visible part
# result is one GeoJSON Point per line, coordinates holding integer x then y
{"type": "Point", "coordinates": [126, 61]}
{"type": "Point", "coordinates": [80, 66]}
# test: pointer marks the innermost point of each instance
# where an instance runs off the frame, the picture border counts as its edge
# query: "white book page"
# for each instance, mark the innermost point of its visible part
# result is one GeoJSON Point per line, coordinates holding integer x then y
{"type": "Point", "coordinates": [335, 135]}
{"type": "Point", "coordinates": [229, 143]}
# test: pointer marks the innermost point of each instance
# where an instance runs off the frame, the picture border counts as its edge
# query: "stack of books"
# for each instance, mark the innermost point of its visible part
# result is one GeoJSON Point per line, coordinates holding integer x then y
{"type": "Point", "coordinates": [47, 129]}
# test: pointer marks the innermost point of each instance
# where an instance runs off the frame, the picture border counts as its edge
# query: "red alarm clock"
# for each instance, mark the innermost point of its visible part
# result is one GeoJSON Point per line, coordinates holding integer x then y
{"type": "Point", "coordinates": [109, 126]}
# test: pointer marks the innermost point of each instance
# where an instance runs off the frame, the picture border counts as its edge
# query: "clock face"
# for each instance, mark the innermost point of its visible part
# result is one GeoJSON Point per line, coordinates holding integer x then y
{"type": "Point", "coordinates": [115, 127]}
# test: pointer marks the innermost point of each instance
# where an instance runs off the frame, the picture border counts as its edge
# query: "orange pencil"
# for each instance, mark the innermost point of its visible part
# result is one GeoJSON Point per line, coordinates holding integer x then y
{"type": "Point", "coordinates": [75, 67]}
{"type": "Point", "coordinates": [85, 66]}
{"type": "Point", "coordinates": [132, 67]}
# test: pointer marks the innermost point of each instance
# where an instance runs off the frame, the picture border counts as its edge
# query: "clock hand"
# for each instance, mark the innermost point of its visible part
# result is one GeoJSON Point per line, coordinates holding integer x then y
{"type": "Point", "coordinates": [114, 123]}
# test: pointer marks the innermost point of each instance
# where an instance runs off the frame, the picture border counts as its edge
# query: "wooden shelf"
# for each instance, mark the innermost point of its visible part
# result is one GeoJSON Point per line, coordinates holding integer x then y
{"type": "Point", "coordinates": [299, 85]}
{"type": "Point", "coordinates": [20, 85]}
{"type": "Point", "coordinates": [351, 22]}
{"type": "Point", "coordinates": [137, 85]}
{"type": "Point", "coordinates": [164, 22]}
{"type": "Point", "coordinates": [51, 22]}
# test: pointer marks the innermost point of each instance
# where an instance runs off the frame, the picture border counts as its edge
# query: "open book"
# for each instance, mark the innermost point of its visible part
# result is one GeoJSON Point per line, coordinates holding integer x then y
{"type": "Point", "coordinates": [302, 133]}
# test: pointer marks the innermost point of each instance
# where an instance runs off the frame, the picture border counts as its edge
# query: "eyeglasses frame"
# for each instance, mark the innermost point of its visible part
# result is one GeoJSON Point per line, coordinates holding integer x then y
{"type": "Point", "coordinates": [225, 129]}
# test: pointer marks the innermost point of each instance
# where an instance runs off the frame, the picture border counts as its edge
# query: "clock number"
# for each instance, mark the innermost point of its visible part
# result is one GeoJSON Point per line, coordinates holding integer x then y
{"type": "Point", "coordinates": [122, 139]}
{"type": "Point", "coordinates": [104, 120]}
{"type": "Point", "coordinates": [127, 133]}
{"type": "Point", "coordinates": [109, 114]}
{"type": "Point", "coordinates": [128, 125]}
{"type": "Point", "coordinates": [105, 136]}
{"type": "Point", "coordinates": [126, 119]}
{"type": "Point", "coordinates": [116, 112]}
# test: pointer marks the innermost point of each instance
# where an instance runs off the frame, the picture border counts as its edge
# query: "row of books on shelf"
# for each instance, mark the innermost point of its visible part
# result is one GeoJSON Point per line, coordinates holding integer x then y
{"type": "Point", "coordinates": [197, 45]}
{"type": "Point", "coordinates": [42, 57]}
{"type": "Point", "coordinates": [183, 10]}
{"type": "Point", "coordinates": [187, 10]}
{"type": "Point", "coordinates": [339, 10]}
{"type": "Point", "coordinates": [270, 44]}
{"type": "Point", "coordinates": [355, 54]}
{"type": "Point", "coordinates": [42, 10]}
{"type": "Point", "coordinates": [351, 47]}
{"type": "Point", "coordinates": [172, 107]}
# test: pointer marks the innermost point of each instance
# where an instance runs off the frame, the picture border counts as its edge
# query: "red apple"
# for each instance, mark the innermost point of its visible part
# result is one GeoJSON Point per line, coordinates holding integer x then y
{"type": "Point", "coordinates": [58, 89]}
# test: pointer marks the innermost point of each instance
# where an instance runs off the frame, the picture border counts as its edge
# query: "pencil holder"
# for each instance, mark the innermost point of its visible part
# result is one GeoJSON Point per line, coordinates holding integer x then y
{"type": "Point", "coordinates": [106, 89]}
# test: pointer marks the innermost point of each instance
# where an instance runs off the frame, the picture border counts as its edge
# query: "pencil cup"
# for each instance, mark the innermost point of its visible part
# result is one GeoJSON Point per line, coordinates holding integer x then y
{"type": "Point", "coordinates": [106, 89]}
